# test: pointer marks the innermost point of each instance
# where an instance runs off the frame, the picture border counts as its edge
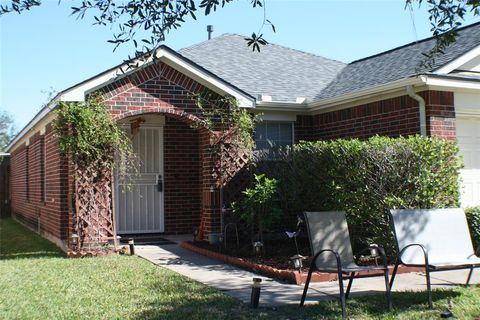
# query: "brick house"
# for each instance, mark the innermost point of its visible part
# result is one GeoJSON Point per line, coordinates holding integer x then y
{"type": "Point", "coordinates": [301, 96]}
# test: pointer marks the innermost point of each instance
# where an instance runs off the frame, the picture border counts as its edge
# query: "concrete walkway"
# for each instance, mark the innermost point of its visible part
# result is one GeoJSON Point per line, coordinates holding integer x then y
{"type": "Point", "coordinates": [237, 282]}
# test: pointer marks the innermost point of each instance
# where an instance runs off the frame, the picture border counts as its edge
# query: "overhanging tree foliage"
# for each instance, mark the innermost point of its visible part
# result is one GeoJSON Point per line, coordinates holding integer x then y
{"type": "Point", "coordinates": [159, 17]}
{"type": "Point", "coordinates": [7, 129]}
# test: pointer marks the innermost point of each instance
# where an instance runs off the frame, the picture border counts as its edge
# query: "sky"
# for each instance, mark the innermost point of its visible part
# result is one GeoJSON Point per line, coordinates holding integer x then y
{"type": "Point", "coordinates": [47, 50]}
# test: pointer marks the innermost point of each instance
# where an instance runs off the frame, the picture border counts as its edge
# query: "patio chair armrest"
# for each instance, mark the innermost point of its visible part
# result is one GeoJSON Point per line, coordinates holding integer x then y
{"type": "Point", "coordinates": [335, 253]}
{"type": "Point", "coordinates": [424, 250]}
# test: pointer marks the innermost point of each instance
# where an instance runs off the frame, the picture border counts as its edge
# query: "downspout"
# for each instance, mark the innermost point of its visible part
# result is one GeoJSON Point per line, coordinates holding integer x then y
{"type": "Point", "coordinates": [421, 107]}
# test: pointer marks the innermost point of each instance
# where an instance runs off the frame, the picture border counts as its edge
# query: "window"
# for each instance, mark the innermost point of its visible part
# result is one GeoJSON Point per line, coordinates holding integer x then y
{"type": "Point", "coordinates": [271, 135]}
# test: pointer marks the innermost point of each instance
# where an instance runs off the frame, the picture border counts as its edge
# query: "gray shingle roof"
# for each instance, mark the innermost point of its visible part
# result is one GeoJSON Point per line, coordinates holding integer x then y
{"type": "Point", "coordinates": [277, 71]}
{"type": "Point", "coordinates": [286, 74]}
{"type": "Point", "coordinates": [399, 63]}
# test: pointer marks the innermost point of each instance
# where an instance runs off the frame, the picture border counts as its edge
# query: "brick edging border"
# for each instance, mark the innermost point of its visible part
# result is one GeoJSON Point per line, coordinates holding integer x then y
{"type": "Point", "coordinates": [296, 277]}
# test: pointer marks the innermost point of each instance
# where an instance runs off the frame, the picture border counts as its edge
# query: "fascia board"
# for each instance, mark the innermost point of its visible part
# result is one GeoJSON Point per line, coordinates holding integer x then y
{"type": "Point", "coordinates": [366, 93]}
{"type": "Point", "coordinates": [452, 84]}
{"type": "Point", "coordinates": [31, 125]}
{"type": "Point", "coordinates": [79, 93]}
{"type": "Point", "coordinates": [461, 60]}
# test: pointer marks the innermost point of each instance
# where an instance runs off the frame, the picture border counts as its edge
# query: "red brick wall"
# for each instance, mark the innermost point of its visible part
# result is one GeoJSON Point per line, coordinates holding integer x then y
{"type": "Point", "coordinates": [182, 183]}
{"type": "Point", "coordinates": [44, 208]}
{"type": "Point", "coordinates": [440, 110]}
{"type": "Point", "coordinates": [391, 117]}
{"type": "Point", "coordinates": [188, 170]}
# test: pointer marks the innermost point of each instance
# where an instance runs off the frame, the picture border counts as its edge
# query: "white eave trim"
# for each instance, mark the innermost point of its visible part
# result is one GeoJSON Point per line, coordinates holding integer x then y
{"type": "Point", "coordinates": [466, 57]}
{"type": "Point", "coordinates": [79, 92]}
{"type": "Point", "coordinates": [366, 93]}
{"type": "Point", "coordinates": [31, 125]}
{"type": "Point", "coordinates": [281, 106]}
{"type": "Point", "coordinates": [203, 77]}
{"type": "Point", "coordinates": [452, 84]}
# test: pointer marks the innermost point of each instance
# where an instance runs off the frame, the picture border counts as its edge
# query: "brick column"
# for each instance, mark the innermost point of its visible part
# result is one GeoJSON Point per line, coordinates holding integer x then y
{"type": "Point", "coordinates": [210, 220]}
{"type": "Point", "coordinates": [440, 110]}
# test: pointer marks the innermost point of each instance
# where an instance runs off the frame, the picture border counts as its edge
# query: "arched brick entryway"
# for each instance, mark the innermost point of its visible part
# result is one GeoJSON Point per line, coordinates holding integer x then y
{"type": "Point", "coordinates": [188, 171]}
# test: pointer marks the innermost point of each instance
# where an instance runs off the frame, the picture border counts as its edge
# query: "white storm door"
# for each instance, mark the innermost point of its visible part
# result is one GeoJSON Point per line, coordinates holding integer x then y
{"type": "Point", "coordinates": [140, 196]}
{"type": "Point", "coordinates": [468, 138]}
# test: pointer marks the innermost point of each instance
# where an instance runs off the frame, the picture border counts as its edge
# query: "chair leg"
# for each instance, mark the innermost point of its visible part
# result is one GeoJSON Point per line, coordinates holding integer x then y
{"type": "Point", "coordinates": [469, 277]}
{"type": "Point", "coordinates": [349, 286]}
{"type": "Point", "coordinates": [429, 287]}
{"type": "Point", "coordinates": [388, 290]}
{"type": "Point", "coordinates": [305, 289]}
{"type": "Point", "coordinates": [394, 273]}
{"type": "Point", "coordinates": [342, 295]}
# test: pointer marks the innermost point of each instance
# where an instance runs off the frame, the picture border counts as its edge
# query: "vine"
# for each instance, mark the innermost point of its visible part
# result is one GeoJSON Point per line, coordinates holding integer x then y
{"type": "Point", "coordinates": [225, 118]}
{"type": "Point", "coordinates": [233, 128]}
{"type": "Point", "coordinates": [90, 137]}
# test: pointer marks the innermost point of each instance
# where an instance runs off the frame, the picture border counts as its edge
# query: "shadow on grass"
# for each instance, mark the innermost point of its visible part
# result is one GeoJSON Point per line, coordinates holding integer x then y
{"type": "Point", "coordinates": [18, 242]}
{"type": "Point", "coordinates": [189, 300]}
{"type": "Point", "coordinates": [376, 305]}
{"type": "Point", "coordinates": [205, 303]}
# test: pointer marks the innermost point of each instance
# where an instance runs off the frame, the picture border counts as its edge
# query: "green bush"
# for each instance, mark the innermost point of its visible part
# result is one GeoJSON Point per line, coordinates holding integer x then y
{"type": "Point", "coordinates": [366, 178]}
{"type": "Point", "coordinates": [258, 207]}
{"type": "Point", "coordinates": [473, 218]}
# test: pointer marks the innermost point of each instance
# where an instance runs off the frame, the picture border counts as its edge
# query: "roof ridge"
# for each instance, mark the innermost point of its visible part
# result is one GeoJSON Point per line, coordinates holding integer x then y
{"type": "Point", "coordinates": [205, 41]}
{"type": "Point", "coordinates": [268, 43]}
{"type": "Point", "coordinates": [305, 52]}
{"type": "Point", "coordinates": [410, 44]}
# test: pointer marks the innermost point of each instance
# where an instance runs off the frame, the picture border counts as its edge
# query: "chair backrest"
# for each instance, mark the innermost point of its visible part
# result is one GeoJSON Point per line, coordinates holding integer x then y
{"type": "Point", "coordinates": [443, 232]}
{"type": "Point", "coordinates": [329, 230]}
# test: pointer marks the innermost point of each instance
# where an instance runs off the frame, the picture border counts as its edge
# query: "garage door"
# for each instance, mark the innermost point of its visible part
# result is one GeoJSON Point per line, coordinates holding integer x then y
{"type": "Point", "coordinates": [468, 136]}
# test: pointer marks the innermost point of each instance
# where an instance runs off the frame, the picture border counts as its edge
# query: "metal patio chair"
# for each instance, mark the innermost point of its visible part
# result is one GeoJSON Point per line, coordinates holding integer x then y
{"type": "Point", "coordinates": [332, 253]}
{"type": "Point", "coordinates": [435, 239]}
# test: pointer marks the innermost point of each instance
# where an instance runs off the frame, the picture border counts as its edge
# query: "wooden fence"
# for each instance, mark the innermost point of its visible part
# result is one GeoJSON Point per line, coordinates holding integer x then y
{"type": "Point", "coordinates": [4, 186]}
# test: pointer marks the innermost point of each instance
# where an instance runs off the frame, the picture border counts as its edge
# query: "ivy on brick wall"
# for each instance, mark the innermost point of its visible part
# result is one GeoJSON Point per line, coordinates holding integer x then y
{"type": "Point", "coordinates": [223, 117]}
{"type": "Point", "coordinates": [90, 137]}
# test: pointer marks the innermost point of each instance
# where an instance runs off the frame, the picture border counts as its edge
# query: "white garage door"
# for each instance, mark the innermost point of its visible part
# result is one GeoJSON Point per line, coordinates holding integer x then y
{"type": "Point", "coordinates": [468, 136]}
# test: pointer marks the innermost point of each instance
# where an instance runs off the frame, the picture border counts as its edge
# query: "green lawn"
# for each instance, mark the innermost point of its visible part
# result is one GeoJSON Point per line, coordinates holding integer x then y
{"type": "Point", "coordinates": [37, 282]}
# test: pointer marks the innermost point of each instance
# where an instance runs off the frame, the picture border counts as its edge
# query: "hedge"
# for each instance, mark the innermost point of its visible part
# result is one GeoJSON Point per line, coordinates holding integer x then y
{"type": "Point", "coordinates": [365, 179]}
{"type": "Point", "coordinates": [473, 218]}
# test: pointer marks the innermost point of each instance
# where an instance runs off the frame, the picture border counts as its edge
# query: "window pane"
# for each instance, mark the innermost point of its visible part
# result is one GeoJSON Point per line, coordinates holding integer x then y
{"type": "Point", "coordinates": [286, 132]}
{"type": "Point", "coordinates": [260, 130]}
{"type": "Point", "coordinates": [272, 131]}
{"type": "Point", "coordinates": [261, 145]}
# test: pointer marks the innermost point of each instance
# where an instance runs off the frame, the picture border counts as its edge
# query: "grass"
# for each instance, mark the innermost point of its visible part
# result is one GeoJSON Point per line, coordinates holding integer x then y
{"type": "Point", "coordinates": [37, 282]}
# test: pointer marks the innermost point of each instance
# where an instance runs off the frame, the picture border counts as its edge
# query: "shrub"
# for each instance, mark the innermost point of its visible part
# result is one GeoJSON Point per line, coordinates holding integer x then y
{"type": "Point", "coordinates": [366, 178]}
{"type": "Point", "coordinates": [473, 218]}
{"type": "Point", "coordinates": [258, 207]}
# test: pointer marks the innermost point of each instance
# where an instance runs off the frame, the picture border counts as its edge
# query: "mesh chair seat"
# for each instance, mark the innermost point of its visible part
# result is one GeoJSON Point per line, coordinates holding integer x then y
{"type": "Point", "coordinates": [332, 252]}
{"type": "Point", "coordinates": [436, 239]}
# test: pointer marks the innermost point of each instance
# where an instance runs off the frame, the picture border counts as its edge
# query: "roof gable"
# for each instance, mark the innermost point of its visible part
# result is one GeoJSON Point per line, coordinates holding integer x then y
{"type": "Point", "coordinates": [284, 74]}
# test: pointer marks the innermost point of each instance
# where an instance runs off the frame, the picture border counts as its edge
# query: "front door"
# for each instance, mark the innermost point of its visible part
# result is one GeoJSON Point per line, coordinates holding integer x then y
{"type": "Point", "coordinates": [140, 207]}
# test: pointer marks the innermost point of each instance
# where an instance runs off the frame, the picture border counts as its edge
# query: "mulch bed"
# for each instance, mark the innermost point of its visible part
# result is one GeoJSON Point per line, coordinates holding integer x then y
{"type": "Point", "coordinates": [278, 267]}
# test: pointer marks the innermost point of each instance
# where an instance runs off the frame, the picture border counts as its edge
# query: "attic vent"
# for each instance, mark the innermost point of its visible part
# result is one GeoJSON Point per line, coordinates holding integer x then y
{"type": "Point", "coordinates": [210, 31]}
